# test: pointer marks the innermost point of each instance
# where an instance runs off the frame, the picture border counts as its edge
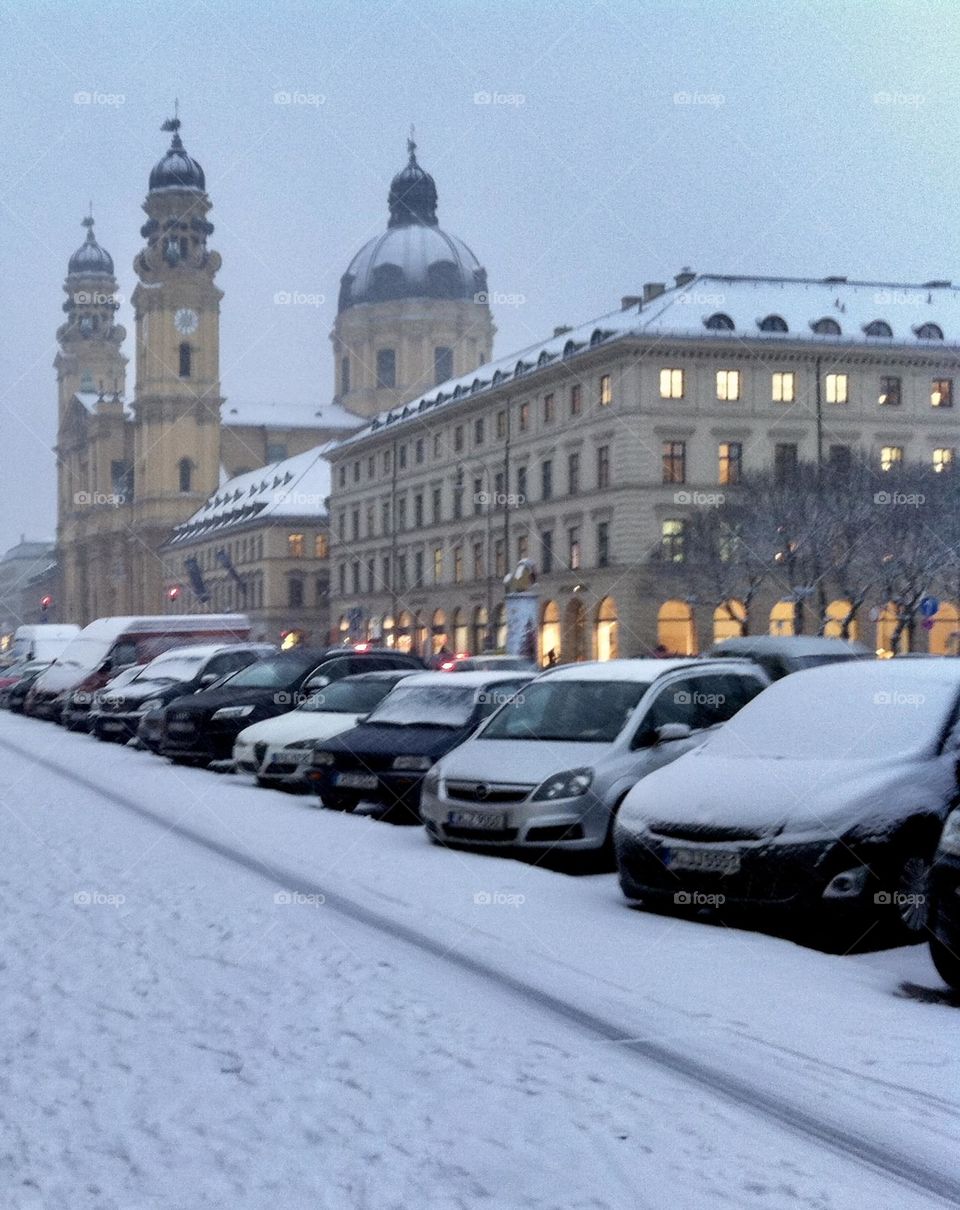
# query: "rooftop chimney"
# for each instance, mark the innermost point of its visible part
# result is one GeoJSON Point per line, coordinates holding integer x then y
{"type": "Point", "coordinates": [652, 290]}
{"type": "Point", "coordinates": [562, 330]}
{"type": "Point", "coordinates": [684, 277]}
{"type": "Point", "coordinates": [629, 301]}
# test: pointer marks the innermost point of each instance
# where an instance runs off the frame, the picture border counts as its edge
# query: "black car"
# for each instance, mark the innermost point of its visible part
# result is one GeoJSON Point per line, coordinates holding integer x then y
{"type": "Point", "coordinates": [944, 919]}
{"type": "Point", "coordinates": [779, 655]}
{"type": "Point", "coordinates": [15, 695]}
{"type": "Point", "coordinates": [201, 727]}
{"type": "Point", "coordinates": [385, 758]}
{"type": "Point", "coordinates": [171, 675]}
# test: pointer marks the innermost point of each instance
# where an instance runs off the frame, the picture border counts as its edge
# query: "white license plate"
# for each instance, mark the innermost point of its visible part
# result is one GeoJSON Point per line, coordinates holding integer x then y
{"type": "Point", "coordinates": [488, 822]}
{"type": "Point", "coordinates": [357, 781]}
{"type": "Point", "coordinates": [702, 861]}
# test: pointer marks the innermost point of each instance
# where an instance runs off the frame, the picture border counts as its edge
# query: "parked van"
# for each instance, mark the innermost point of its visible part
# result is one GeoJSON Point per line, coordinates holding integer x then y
{"type": "Point", "coordinates": [108, 645]}
{"type": "Point", "coordinates": [43, 642]}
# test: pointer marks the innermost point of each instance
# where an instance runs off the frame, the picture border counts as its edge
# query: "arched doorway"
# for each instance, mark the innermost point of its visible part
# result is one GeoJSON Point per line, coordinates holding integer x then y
{"type": "Point", "coordinates": [836, 612]}
{"type": "Point", "coordinates": [405, 631]}
{"type": "Point", "coordinates": [480, 620]}
{"type": "Point", "coordinates": [886, 628]}
{"type": "Point", "coordinates": [550, 639]}
{"type": "Point", "coordinates": [944, 634]}
{"type": "Point", "coordinates": [676, 630]}
{"type": "Point", "coordinates": [729, 620]}
{"type": "Point", "coordinates": [500, 627]}
{"type": "Point", "coordinates": [438, 632]}
{"type": "Point", "coordinates": [389, 638]}
{"type": "Point", "coordinates": [461, 631]}
{"type": "Point", "coordinates": [782, 618]}
{"type": "Point", "coordinates": [343, 630]}
{"type": "Point", "coordinates": [606, 630]}
{"type": "Point", "coordinates": [420, 637]}
{"type": "Point", "coordinates": [577, 630]}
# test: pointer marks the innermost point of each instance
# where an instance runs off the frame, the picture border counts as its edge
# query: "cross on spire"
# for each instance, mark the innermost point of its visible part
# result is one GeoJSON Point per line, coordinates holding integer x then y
{"type": "Point", "coordinates": [411, 142]}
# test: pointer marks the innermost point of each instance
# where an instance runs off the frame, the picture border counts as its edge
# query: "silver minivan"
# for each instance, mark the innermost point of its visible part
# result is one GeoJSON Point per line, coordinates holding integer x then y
{"type": "Point", "coordinates": [550, 768]}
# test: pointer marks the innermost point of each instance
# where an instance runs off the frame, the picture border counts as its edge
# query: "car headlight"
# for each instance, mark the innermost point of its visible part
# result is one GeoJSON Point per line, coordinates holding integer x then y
{"type": "Point", "coordinates": [431, 783]}
{"type": "Point", "coordinates": [233, 712]}
{"type": "Point", "coordinates": [412, 762]}
{"type": "Point", "coordinates": [950, 839]}
{"type": "Point", "coordinates": [155, 703]}
{"type": "Point", "coordinates": [323, 758]}
{"type": "Point", "coordinates": [570, 784]}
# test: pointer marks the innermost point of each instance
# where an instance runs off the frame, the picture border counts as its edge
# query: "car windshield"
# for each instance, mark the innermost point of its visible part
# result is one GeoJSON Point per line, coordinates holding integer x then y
{"type": "Point", "coordinates": [823, 715]}
{"type": "Point", "coordinates": [168, 668]}
{"type": "Point", "coordinates": [427, 706]}
{"type": "Point", "coordinates": [348, 697]}
{"type": "Point", "coordinates": [274, 673]}
{"type": "Point", "coordinates": [567, 711]}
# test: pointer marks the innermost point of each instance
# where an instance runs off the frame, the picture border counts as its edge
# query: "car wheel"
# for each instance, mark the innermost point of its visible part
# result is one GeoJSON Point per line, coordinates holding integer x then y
{"type": "Point", "coordinates": [905, 899]}
{"type": "Point", "coordinates": [339, 802]}
{"type": "Point", "coordinates": [947, 962]}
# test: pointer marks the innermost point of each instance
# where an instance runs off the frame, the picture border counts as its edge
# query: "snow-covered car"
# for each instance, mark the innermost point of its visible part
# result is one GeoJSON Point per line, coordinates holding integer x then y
{"type": "Point", "coordinates": [945, 903]}
{"type": "Point", "coordinates": [182, 670]}
{"type": "Point", "coordinates": [17, 681]}
{"type": "Point", "coordinates": [278, 751]}
{"type": "Point", "coordinates": [781, 654]}
{"type": "Point", "coordinates": [551, 767]}
{"type": "Point", "coordinates": [824, 796]}
{"type": "Point", "coordinates": [89, 714]}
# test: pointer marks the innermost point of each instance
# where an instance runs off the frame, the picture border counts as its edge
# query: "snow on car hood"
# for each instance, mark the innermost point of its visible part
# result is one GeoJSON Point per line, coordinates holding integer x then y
{"type": "Point", "coordinates": [60, 677]}
{"type": "Point", "coordinates": [524, 762]}
{"type": "Point", "coordinates": [772, 795]}
{"type": "Point", "coordinates": [296, 726]}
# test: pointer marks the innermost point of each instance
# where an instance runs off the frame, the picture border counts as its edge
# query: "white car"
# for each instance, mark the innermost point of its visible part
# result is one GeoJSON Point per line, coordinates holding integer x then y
{"type": "Point", "coordinates": [278, 751]}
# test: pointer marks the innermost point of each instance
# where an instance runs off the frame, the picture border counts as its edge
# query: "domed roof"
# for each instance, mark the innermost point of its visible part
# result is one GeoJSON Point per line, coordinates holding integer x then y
{"type": "Point", "coordinates": [90, 258]}
{"type": "Point", "coordinates": [413, 258]}
{"type": "Point", "coordinates": [176, 170]}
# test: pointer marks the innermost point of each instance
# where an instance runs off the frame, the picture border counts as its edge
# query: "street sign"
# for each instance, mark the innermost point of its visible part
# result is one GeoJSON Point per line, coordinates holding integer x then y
{"type": "Point", "coordinates": [929, 606]}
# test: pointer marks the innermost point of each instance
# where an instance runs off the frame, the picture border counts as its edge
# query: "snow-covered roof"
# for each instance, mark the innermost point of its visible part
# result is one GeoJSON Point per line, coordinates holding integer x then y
{"type": "Point", "coordinates": [289, 415]}
{"type": "Point", "coordinates": [643, 671]}
{"type": "Point", "coordinates": [719, 307]}
{"type": "Point", "coordinates": [295, 487]}
{"type": "Point", "coordinates": [90, 399]}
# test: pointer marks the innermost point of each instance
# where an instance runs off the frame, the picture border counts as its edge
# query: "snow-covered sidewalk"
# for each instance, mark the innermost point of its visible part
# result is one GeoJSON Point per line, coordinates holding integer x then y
{"type": "Point", "coordinates": [180, 1031]}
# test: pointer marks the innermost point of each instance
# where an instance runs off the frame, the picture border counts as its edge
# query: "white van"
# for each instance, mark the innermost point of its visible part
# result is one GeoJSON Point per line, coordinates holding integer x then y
{"type": "Point", "coordinates": [44, 642]}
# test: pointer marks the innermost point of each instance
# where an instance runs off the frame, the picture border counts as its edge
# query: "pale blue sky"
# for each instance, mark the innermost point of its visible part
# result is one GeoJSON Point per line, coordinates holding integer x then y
{"type": "Point", "coordinates": [784, 160]}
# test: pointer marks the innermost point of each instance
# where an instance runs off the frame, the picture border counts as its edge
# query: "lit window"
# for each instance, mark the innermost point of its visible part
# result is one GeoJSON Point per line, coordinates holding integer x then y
{"type": "Point", "coordinates": [671, 384]}
{"type": "Point", "coordinates": [295, 546]}
{"type": "Point", "coordinates": [437, 564]}
{"type": "Point", "coordinates": [941, 393]}
{"type": "Point", "coordinates": [728, 384]}
{"type": "Point", "coordinates": [731, 462]}
{"type": "Point", "coordinates": [606, 391]}
{"type": "Point", "coordinates": [674, 462]}
{"type": "Point", "coordinates": [783, 386]}
{"type": "Point", "coordinates": [943, 458]}
{"type": "Point", "coordinates": [672, 534]}
{"type": "Point", "coordinates": [321, 545]}
{"type": "Point", "coordinates": [836, 388]}
{"type": "Point", "coordinates": [890, 392]}
{"type": "Point", "coordinates": [890, 457]}
{"type": "Point", "coordinates": [573, 538]}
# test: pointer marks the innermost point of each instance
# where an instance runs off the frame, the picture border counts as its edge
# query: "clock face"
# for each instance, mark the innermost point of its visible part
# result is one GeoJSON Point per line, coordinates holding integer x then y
{"type": "Point", "coordinates": [186, 321]}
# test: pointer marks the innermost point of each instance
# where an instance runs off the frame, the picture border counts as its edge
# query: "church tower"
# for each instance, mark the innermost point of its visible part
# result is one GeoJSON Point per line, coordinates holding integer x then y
{"type": "Point", "coordinates": [413, 309]}
{"type": "Point", "coordinates": [177, 399]}
{"type": "Point", "coordinates": [94, 444]}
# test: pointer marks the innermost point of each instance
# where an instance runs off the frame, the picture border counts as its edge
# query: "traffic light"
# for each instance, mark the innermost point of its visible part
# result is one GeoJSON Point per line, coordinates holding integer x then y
{"type": "Point", "coordinates": [45, 603]}
{"type": "Point", "coordinates": [173, 593]}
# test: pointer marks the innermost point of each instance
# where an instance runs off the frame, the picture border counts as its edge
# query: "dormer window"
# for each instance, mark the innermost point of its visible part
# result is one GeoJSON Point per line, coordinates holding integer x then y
{"type": "Point", "coordinates": [773, 323]}
{"type": "Point", "coordinates": [719, 322]}
{"type": "Point", "coordinates": [826, 327]}
{"type": "Point", "coordinates": [879, 327]}
{"type": "Point", "coordinates": [929, 332]}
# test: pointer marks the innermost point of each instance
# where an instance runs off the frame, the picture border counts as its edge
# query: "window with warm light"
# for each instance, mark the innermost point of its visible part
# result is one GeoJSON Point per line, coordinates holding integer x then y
{"type": "Point", "coordinates": [783, 386]}
{"type": "Point", "coordinates": [295, 546]}
{"type": "Point", "coordinates": [674, 462]}
{"type": "Point", "coordinates": [891, 456]}
{"type": "Point", "coordinates": [941, 393]}
{"type": "Point", "coordinates": [730, 455]}
{"type": "Point", "coordinates": [672, 535]}
{"type": "Point", "coordinates": [321, 546]}
{"type": "Point", "coordinates": [606, 390]}
{"type": "Point", "coordinates": [890, 392]}
{"type": "Point", "coordinates": [943, 458]}
{"type": "Point", "coordinates": [573, 547]}
{"type": "Point", "coordinates": [836, 388]}
{"type": "Point", "coordinates": [728, 385]}
{"type": "Point", "coordinates": [671, 384]}
{"type": "Point", "coordinates": [437, 564]}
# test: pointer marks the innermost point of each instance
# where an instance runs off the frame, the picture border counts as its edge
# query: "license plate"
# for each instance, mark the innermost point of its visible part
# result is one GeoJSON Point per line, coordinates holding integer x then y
{"type": "Point", "coordinates": [111, 725]}
{"type": "Point", "coordinates": [702, 861]}
{"type": "Point", "coordinates": [488, 822]}
{"type": "Point", "coordinates": [180, 728]}
{"type": "Point", "coordinates": [358, 781]}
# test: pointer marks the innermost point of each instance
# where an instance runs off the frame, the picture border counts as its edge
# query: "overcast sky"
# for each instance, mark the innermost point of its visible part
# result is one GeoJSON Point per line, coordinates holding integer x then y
{"type": "Point", "coordinates": [580, 149]}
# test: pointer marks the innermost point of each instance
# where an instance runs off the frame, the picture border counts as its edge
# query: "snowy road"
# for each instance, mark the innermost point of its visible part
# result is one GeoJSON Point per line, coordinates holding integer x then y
{"type": "Point", "coordinates": [218, 997]}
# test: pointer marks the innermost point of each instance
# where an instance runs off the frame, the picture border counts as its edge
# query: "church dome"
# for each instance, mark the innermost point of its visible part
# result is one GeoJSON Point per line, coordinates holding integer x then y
{"type": "Point", "coordinates": [90, 259]}
{"type": "Point", "coordinates": [413, 258]}
{"type": "Point", "coordinates": [176, 170]}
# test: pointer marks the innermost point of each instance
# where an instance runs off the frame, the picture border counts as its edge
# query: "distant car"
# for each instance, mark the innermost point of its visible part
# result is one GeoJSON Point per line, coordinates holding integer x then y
{"type": "Point", "coordinates": [779, 655]}
{"type": "Point", "coordinates": [550, 769]}
{"type": "Point", "coordinates": [486, 663]}
{"type": "Point", "coordinates": [279, 751]}
{"type": "Point", "coordinates": [88, 704]}
{"type": "Point", "coordinates": [203, 727]}
{"type": "Point", "coordinates": [12, 696]}
{"type": "Point", "coordinates": [120, 709]}
{"type": "Point", "coordinates": [384, 758]}
{"type": "Point", "coordinates": [822, 799]}
{"type": "Point", "coordinates": [944, 920]}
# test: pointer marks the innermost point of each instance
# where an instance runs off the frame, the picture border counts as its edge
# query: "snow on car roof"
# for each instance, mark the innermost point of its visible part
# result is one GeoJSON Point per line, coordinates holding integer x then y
{"type": "Point", "coordinates": [467, 679]}
{"type": "Point", "coordinates": [793, 644]}
{"type": "Point", "coordinates": [615, 670]}
{"type": "Point", "coordinates": [200, 651]}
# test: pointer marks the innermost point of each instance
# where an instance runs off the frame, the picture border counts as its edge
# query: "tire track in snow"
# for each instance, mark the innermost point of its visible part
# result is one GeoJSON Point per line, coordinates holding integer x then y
{"type": "Point", "coordinates": [767, 1104]}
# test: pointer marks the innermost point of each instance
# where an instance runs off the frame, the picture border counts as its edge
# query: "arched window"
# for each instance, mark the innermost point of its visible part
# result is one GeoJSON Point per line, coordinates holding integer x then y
{"type": "Point", "coordinates": [386, 368]}
{"type": "Point", "coordinates": [675, 628]}
{"type": "Point", "coordinates": [606, 629]}
{"type": "Point", "coordinates": [185, 472]}
{"type": "Point", "coordinates": [185, 360]}
{"type": "Point", "coordinates": [782, 618]}
{"type": "Point", "coordinates": [773, 323]}
{"type": "Point", "coordinates": [478, 642]}
{"type": "Point", "coordinates": [837, 613]}
{"type": "Point", "coordinates": [729, 620]}
{"type": "Point", "coordinates": [944, 634]}
{"type": "Point", "coordinates": [826, 327]}
{"type": "Point", "coordinates": [438, 635]}
{"type": "Point", "coordinates": [929, 332]}
{"type": "Point", "coordinates": [718, 322]}
{"type": "Point", "coordinates": [550, 632]}
{"type": "Point", "coordinates": [500, 627]}
{"type": "Point", "coordinates": [404, 636]}
{"type": "Point", "coordinates": [295, 592]}
{"type": "Point", "coordinates": [461, 637]}
{"type": "Point", "coordinates": [577, 630]}
{"type": "Point", "coordinates": [879, 327]}
{"type": "Point", "coordinates": [886, 628]}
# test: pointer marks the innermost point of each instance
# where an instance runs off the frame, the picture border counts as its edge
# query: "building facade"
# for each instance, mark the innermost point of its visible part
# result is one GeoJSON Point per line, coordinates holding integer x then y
{"type": "Point", "coordinates": [589, 454]}
{"type": "Point", "coordinates": [25, 581]}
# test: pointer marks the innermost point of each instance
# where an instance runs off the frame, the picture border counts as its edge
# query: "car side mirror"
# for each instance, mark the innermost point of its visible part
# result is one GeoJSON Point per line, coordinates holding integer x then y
{"type": "Point", "coordinates": [670, 731]}
{"type": "Point", "coordinates": [316, 683]}
{"type": "Point", "coordinates": [208, 678]}
{"type": "Point", "coordinates": [107, 666]}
